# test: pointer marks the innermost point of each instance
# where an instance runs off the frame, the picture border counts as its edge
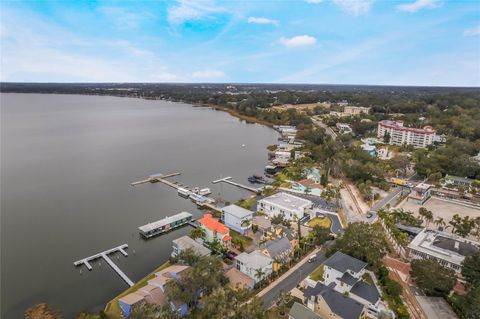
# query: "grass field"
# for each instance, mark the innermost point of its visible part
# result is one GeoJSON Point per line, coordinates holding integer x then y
{"type": "Point", "coordinates": [113, 311]}
{"type": "Point", "coordinates": [323, 222]}
{"type": "Point", "coordinates": [317, 274]}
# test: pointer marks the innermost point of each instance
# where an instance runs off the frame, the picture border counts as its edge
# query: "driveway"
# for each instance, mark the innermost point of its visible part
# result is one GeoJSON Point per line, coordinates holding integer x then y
{"type": "Point", "coordinates": [288, 281]}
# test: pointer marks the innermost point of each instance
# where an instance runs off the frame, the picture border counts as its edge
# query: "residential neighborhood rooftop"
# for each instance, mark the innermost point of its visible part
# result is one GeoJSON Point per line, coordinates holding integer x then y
{"type": "Point", "coordinates": [185, 242]}
{"type": "Point", "coordinates": [366, 291]}
{"type": "Point", "coordinates": [237, 211]}
{"type": "Point", "coordinates": [299, 311]}
{"type": "Point", "coordinates": [255, 259]}
{"type": "Point", "coordinates": [343, 262]}
{"type": "Point", "coordinates": [444, 245]}
{"type": "Point", "coordinates": [287, 201]}
{"type": "Point", "coordinates": [341, 305]}
{"type": "Point", "coordinates": [214, 225]}
{"type": "Point", "coordinates": [277, 247]}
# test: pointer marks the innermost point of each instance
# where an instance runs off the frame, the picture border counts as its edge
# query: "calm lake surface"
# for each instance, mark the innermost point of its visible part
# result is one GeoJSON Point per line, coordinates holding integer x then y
{"type": "Point", "coordinates": [66, 166]}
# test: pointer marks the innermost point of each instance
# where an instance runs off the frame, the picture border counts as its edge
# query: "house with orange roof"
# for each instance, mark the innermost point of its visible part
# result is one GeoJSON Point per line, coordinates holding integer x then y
{"type": "Point", "coordinates": [214, 230]}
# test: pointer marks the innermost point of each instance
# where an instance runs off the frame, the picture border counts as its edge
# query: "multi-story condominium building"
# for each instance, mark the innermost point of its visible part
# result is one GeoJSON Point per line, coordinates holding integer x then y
{"type": "Point", "coordinates": [284, 204]}
{"type": "Point", "coordinates": [401, 135]}
{"type": "Point", "coordinates": [354, 110]}
{"type": "Point", "coordinates": [448, 249]}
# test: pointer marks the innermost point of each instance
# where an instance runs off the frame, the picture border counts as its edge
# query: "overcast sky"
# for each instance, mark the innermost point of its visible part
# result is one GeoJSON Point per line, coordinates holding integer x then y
{"type": "Point", "coordinates": [405, 42]}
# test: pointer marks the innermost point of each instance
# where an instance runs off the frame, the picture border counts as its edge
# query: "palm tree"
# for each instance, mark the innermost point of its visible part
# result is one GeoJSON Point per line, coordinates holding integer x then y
{"type": "Point", "coordinates": [282, 303]}
{"type": "Point", "coordinates": [246, 222]}
{"type": "Point", "coordinates": [259, 273]}
{"type": "Point", "coordinates": [198, 232]}
{"type": "Point", "coordinates": [439, 222]}
{"type": "Point", "coordinates": [426, 215]}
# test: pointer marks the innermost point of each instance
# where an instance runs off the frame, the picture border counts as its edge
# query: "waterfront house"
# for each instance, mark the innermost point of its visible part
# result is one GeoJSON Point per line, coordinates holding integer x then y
{"type": "Point", "coordinates": [185, 242]}
{"type": "Point", "coordinates": [280, 250]}
{"type": "Point", "coordinates": [332, 304]}
{"type": "Point", "coordinates": [255, 265]}
{"type": "Point", "coordinates": [127, 302]}
{"type": "Point", "coordinates": [166, 224]}
{"type": "Point", "coordinates": [237, 218]}
{"type": "Point", "coordinates": [289, 206]}
{"type": "Point", "coordinates": [307, 186]}
{"type": "Point", "coordinates": [313, 174]}
{"type": "Point", "coordinates": [281, 158]}
{"type": "Point", "coordinates": [214, 230]}
{"type": "Point", "coordinates": [299, 311]}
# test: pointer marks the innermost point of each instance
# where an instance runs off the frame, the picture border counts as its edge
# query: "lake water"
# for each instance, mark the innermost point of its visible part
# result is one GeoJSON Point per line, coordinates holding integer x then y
{"type": "Point", "coordinates": [66, 166]}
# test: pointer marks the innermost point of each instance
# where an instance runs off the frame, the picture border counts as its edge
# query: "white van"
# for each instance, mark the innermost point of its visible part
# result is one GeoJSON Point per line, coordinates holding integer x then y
{"type": "Point", "coordinates": [312, 258]}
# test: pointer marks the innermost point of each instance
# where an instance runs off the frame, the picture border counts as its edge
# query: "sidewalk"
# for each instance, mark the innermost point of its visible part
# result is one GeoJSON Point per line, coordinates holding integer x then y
{"type": "Point", "coordinates": [288, 272]}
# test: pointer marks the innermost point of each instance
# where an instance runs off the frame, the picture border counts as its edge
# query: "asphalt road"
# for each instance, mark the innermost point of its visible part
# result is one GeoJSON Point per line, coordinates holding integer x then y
{"type": "Point", "coordinates": [294, 278]}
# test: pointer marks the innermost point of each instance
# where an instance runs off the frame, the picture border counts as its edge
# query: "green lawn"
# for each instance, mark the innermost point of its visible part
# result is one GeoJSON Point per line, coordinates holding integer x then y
{"type": "Point", "coordinates": [317, 274]}
{"type": "Point", "coordinates": [323, 222]}
{"type": "Point", "coordinates": [247, 241]}
{"type": "Point", "coordinates": [367, 278]}
{"type": "Point", "coordinates": [246, 203]}
{"type": "Point", "coordinates": [113, 310]}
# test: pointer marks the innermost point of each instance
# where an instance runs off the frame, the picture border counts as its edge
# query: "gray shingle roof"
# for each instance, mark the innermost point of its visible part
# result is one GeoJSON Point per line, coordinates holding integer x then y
{"type": "Point", "coordinates": [254, 260]}
{"type": "Point", "coordinates": [341, 305]}
{"type": "Point", "coordinates": [299, 311]}
{"type": "Point", "coordinates": [348, 279]}
{"type": "Point", "coordinates": [237, 211]}
{"type": "Point", "coordinates": [278, 247]}
{"type": "Point", "coordinates": [343, 262]}
{"type": "Point", "coordinates": [366, 291]}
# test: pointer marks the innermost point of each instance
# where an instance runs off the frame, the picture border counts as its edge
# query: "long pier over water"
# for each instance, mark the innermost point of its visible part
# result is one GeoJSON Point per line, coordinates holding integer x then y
{"type": "Point", "coordinates": [103, 254]}
{"type": "Point", "coordinates": [229, 181]}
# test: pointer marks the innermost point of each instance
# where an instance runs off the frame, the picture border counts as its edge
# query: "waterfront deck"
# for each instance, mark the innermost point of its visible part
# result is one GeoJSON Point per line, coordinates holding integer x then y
{"type": "Point", "coordinates": [229, 181]}
{"type": "Point", "coordinates": [155, 178]}
{"type": "Point", "coordinates": [104, 255]}
{"type": "Point", "coordinates": [166, 224]}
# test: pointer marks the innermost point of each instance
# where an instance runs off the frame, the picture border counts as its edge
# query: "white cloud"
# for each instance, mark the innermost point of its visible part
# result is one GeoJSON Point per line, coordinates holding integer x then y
{"type": "Point", "coordinates": [125, 19]}
{"type": "Point", "coordinates": [262, 21]}
{"type": "Point", "coordinates": [354, 7]}
{"type": "Point", "coordinates": [186, 10]}
{"type": "Point", "coordinates": [313, 1]}
{"type": "Point", "coordinates": [208, 74]}
{"type": "Point", "coordinates": [418, 5]}
{"type": "Point", "coordinates": [472, 32]}
{"type": "Point", "coordinates": [298, 41]}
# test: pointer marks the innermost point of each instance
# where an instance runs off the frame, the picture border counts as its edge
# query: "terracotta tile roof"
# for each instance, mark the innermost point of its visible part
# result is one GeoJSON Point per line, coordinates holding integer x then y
{"type": "Point", "coordinates": [227, 238]}
{"type": "Point", "coordinates": [131, 299]}
{"type": "Point", "coordinates": [214, 225]}
{"type": "Point", "coordinates": [238, 279]}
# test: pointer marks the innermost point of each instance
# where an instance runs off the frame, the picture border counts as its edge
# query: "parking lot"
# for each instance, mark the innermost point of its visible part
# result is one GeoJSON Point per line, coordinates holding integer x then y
{"type": "Point", "coordinates": [442, 208]}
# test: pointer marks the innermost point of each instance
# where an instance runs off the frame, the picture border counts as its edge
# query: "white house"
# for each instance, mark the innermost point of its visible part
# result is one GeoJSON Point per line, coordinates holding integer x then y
{"type": "Point", "coordinates": [344, 274]}
{"type": "Point", "coordinates": [448, 249]}
{"type": "Point", "coordinates": [237, 218]}
{"type": "Point", "coordinates": [343, 270]}
{"type": "Point", "coordinates": [287, 205]}
{"type": "Point", "coordinates": [282, 157]}
{"type": "Point", "coordinates": [255, 265]}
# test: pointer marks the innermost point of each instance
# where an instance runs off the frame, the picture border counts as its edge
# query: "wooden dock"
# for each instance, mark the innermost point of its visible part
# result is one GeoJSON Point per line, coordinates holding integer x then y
{"type": "Point", "coordinates": [154, 178]}
{"type": "Point", "coordinates": [228, 181]}
{"type": "Point", "coordinates": [104, 255]}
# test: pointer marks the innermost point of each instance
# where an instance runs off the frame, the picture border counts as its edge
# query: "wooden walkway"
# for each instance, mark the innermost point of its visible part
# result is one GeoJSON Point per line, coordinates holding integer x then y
{"type": "Point", "coordinates": [154, 178]}
{"type": "Point", "coordinates": [228, 181]}
{"type": "Point", "coordinates": [103, 254]}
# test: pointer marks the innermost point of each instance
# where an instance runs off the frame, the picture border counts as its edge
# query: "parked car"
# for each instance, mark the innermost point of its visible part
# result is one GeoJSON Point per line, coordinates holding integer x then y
{"type": "Point", "coordinates": [231, 255]}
